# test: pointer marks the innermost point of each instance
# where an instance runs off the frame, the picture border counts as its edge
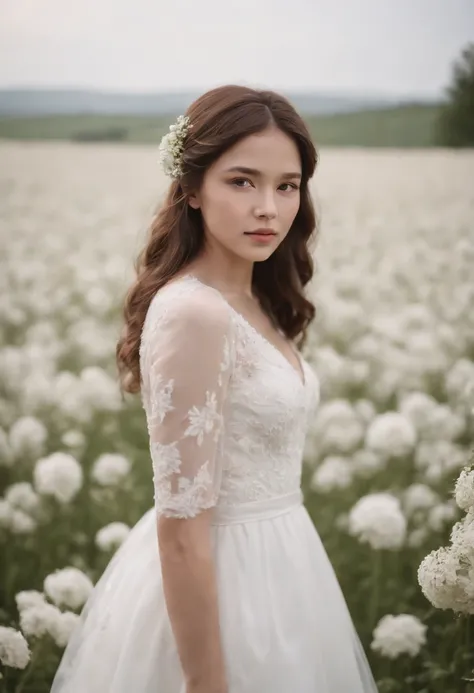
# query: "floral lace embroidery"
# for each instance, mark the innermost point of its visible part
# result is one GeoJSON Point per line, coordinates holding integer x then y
{"type": "Point", "coordinates": [161, 400]}
{"type": "Point", "coordinates": [166, 460]}
{"type": "Point", "coordinates": [191, 496]}
{"type": "Point", "coordinates": [241, 434]}
{"type": "Point", "coordinates": [202, 420]}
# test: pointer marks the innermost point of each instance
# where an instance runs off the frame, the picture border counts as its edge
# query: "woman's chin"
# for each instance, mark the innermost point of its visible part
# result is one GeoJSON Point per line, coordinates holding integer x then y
{"type": "Point", "coordinates": [257, 254]}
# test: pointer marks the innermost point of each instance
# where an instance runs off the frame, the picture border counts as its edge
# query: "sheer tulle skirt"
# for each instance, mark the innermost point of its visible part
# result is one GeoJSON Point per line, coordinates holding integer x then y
{"type": "Point", "coordinates": [285, 624]}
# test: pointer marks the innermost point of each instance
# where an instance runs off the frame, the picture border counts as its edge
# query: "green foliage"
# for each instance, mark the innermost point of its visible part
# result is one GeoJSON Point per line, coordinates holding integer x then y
{"type": "Point", "coordinates": [405, 126]}
{"type": "Point", "coordinates": [110, 134]}
{"type": "Point", "coordinates": [410, 125]}
{"type": "Point", "coordinates": [455, 127]}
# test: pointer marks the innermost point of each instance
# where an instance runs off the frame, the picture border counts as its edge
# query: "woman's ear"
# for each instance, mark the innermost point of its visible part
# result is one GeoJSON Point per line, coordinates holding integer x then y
{"type": "Point", "coordinates": [193, 201]}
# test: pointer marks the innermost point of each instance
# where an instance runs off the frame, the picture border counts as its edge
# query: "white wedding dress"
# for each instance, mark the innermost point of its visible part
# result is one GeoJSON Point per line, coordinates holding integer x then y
{"type": "Point", "coordinates": [227, 417]}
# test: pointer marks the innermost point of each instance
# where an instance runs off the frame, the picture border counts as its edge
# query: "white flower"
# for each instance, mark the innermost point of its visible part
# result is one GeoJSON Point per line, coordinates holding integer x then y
{"type": "Point", "coordinates": [418, 407]}
{"type": "Point", "coordinates": [15, 520]}
{"type": "Point", "coordinates": [415, 317]}
{"type": "Point", "coordinates": [86, 335]}
{"type": "Point", "coordinates": [69, 587]}
{"type": "Point", "coordinates": [99, 389]}
{"type": "Point", "coordinates": [39, 620]}
{"type": "Point", "coordinates": [460, 382]}
{"type": "Point", "coordinates": [367, 347]}
{"type": "Point", "coordinates": [441, 514]}
{"type": "Point", "coordinates": [69, 397]}
{"type": "Point", "coordinates": [338, 428]}
{"type": "Point", "coordinates": [365, 410]}
{"type": "Point", "coordinates": [382, 387]}
{"type": "Point", "coordinates": [73, 439]}
{"type": "Point", "coordinates": [14, 651]}
{"type": "Point", "coordinates": [171, 147]}
{"type": "Point", "coordinates": [37, 392]}
{"type": "Point", "coordinates": [59, 475]}
{"type": "Point", "coordinates": [63, 627]}
{"type": "Point", "coordinates": [425, 350]}
{"type": "Point", "coordinates": [22, 496]}
{"type": "Point", "coordinates": [443, 424]}
{"type": "Point", "coordinates": [366, 462]}
{"type": "Point", "coordinates": [378, 520]}
{"type": "Point", "coordinates": [343, 321]}
{"type": "Point", "coordinates": [391, 435]}
{"type": "Point", "coordinates": [417, 537]}
{"type": "Point", "coordinates": [112, 535]}
{"type": "Point", "coordinates": [437, 458]}
{"type": "Point", "coordinates": [445, 582]}
{"type": "Point", "coordinates": [110, 469]}
{"type": "Point", "coordinates": [418, 497]}
{"type": "Point", "coordinates": [331, 369]}
{"type": "Point", "coordinates": [28, 598]}
{"type": "Point", "coordinates": [333, 472]}
{"type": "Point", "coordinates": [27, 437]}
{"type": "Point", "coordinates": [396, 635]}
{"type": "Point", "coordinates": [355, 374]}
{"type": "Point", "coordinates": [462, 537]}
{"type": "Point", "coordinates": [21, 523]}
{"type": "Point", "coordinates": [464, 489]}
{"type": "Point", "coordinates": [336, 373]}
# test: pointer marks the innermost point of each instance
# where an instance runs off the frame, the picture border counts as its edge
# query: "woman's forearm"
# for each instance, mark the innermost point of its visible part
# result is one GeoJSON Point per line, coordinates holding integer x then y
{"type": "Point", "coordinates": [190, 589]}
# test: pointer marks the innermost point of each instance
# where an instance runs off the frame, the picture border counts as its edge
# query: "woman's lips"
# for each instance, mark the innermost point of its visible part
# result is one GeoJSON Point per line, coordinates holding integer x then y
{"type": "Point", "coordinates": [261, 232]}
{"type": "Point", "coordinates": [261, 235]}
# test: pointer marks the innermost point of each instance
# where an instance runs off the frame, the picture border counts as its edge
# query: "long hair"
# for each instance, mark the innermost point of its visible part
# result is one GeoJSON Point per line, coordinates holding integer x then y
{"type": "Point", "coordinates": [220, 118]}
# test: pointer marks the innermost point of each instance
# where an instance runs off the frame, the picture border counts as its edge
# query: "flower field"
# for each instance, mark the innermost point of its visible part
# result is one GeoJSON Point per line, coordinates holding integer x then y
{"type": "Point", "coordinates": [388, 474]}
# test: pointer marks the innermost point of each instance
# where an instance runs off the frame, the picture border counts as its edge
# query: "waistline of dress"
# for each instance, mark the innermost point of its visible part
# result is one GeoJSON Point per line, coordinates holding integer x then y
{"type": "Point", "coordinates": [257, 510]}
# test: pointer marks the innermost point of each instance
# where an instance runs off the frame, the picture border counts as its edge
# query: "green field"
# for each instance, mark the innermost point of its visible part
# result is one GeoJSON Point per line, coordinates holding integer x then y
{"type": "Point", "coordinates": [405, 126]}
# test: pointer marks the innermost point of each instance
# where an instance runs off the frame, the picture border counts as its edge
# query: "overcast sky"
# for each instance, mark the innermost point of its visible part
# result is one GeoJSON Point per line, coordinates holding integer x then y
{"type": "Point", "coordinates": [398, 47]}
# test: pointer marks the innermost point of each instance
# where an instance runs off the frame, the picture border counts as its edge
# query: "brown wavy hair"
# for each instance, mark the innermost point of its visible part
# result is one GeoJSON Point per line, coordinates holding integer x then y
{"type": "Point", "coordinates": [220, 118]}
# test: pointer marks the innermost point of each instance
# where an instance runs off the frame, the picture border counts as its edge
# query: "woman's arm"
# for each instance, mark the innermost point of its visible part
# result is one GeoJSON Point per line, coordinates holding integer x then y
{"type": "Point", "coordinates": [186, 368]}
{"type": "Point", "coordinates": [190, 589]}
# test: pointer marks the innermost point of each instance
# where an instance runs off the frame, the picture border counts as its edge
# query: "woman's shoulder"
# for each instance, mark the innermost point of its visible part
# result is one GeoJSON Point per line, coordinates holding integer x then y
{"type": "Point", "coordinates": [186, 301]}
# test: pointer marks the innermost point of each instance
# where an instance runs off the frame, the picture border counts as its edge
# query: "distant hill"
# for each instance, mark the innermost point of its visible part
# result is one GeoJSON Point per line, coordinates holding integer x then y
{"type": "Point", "coordinates": [45, 102]}
{"type": "Point", "coordinates": [402, 126]}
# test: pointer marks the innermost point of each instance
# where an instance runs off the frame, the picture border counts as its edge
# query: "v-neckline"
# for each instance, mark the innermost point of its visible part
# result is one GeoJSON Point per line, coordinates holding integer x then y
{"type": "Point", "coordinates": [301, 376]}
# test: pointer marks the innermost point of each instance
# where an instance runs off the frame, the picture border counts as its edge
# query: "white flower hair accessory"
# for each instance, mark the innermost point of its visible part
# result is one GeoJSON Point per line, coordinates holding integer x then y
{"type": "Point", "coordinates": [171, 147]}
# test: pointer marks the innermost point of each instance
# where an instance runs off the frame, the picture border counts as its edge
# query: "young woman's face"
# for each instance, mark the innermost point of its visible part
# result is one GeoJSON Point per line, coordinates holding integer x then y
{"type": "Point", "coordinates": [254, 185]}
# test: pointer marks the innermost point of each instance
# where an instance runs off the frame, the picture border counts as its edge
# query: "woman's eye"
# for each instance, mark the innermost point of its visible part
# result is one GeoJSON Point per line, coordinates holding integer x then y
{"type": "Point", "coordinates": [241, 183]}
{"type": "Point", "coordinates": [238, 181]}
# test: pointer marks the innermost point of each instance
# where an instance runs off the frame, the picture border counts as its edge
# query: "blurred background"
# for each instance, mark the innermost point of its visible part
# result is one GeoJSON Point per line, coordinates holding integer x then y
{"type": "Point", "coordinates": [365, 73]}
{"type": "Point", "coordinates": [87, 89]}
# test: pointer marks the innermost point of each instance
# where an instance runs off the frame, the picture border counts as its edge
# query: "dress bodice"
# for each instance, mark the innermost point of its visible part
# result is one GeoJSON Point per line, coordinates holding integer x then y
{"type": "Point", "coordinates": [227, 413]}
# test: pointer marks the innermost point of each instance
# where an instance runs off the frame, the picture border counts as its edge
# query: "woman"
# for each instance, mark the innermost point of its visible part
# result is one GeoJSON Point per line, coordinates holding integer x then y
{"type": "Point", "coordinates": [224, 586]}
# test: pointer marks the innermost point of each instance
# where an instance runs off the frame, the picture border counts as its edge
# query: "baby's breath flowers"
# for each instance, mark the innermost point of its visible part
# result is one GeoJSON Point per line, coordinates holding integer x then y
{"type": "Point", "coordinates": [464, 488]}
{"type": "Point", "coordinates": [14, 651]}
{"type": "Point", "coordinates": [397, 635]}
{"type": "Point", "coordinates": [171, 147]}
{"type": "Point", "coordinates": [446, 575]}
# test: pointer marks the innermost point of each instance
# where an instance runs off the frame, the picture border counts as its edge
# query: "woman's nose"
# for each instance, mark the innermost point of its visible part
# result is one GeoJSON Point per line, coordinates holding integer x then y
{"type": "Point", "coordinates": [266, 206]}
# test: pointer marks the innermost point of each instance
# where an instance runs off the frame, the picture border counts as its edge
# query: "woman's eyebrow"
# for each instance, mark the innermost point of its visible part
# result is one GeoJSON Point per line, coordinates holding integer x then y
{"type": "Point", "coordinates": [256, 172]}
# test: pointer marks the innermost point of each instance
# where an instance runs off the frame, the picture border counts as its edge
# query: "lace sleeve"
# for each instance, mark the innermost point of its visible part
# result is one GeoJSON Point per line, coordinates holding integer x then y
{"type": "Point", "coordinates": [188, 364]}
